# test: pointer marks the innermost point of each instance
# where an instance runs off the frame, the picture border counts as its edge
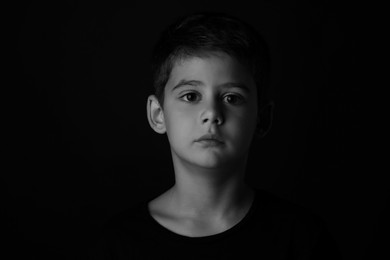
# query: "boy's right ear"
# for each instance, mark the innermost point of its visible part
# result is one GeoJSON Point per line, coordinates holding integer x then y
{"type": "Point", "coordinates": [155, 115]}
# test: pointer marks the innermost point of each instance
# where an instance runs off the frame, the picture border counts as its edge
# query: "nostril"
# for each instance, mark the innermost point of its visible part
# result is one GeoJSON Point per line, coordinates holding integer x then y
{"type": "Point", "coordinates": [212, 116]}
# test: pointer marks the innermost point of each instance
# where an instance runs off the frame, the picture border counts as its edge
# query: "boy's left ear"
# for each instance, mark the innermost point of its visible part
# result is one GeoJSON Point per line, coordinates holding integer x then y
{"type": "Point", "coordinates": [264, 119]}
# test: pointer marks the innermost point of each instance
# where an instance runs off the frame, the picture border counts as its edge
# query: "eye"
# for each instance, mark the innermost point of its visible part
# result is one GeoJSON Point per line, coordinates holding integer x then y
{"type": "Point", "coordinates": [190, 97]}
{"type": "Point", "coordinates": [233, 99]}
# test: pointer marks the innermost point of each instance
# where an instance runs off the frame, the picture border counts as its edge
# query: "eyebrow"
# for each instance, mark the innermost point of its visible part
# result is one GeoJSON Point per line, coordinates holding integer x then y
{"type": "Point", "coordinates": [197, 83]}
{"type": "Point", "coordinates": [185, 82]}
{"type": "Point", "coordinates": [236, 85]}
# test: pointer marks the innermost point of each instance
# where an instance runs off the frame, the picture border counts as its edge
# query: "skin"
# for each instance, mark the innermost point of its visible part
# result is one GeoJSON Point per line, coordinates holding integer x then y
{"type": "Point", "coordinates": [202, 97]}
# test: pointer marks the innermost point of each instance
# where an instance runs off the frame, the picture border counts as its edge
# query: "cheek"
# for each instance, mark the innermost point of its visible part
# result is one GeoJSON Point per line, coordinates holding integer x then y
{"type": "Point", "coordinates": [243, 124]}
{"type": "Point", "coordinates": [179, 122]}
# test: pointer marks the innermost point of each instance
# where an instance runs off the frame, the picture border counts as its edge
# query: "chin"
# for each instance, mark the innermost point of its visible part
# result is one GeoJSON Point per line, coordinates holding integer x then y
{"type": "Point", "coordinates": [207, 158]}
{"type": "Point", "coordinates": [210, 161]}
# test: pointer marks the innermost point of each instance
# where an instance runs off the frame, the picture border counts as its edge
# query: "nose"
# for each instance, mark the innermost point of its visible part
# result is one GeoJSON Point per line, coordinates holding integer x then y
{"type": "Point", "coordinates": [212, 113]}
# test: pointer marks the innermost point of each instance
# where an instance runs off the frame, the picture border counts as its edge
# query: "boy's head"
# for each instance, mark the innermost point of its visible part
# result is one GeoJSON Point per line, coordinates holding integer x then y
{"type": "Point", "coordinates": [210, 76]}
{"type": "Point", "coordinates": [199, 34]}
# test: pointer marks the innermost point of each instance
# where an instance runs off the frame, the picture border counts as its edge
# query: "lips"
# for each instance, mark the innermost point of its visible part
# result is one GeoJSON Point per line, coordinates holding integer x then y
{"type": "Point", "coordinates": [210, 137]}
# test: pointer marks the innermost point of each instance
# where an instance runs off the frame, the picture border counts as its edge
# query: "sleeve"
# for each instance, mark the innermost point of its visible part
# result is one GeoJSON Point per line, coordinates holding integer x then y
{"type": "Point", "coordinates": [324, 246]}
{"type": "Point", "coordinates": [312, 239]}
{"type": "Point", "coordinates": [114, 242]}
{"type": "Point", "coordinates": [89, 250]}
{"type": "Point", "coordinates": [100, 250]}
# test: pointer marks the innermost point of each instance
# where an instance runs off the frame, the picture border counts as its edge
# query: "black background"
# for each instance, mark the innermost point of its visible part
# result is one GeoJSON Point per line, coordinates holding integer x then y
{"type": "Point", "coordinates": [82, 150]}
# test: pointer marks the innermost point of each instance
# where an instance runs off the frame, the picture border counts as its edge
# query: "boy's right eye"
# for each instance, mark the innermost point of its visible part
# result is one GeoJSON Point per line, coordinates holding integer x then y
{"type": "Point", "coordinates": [190, 97]}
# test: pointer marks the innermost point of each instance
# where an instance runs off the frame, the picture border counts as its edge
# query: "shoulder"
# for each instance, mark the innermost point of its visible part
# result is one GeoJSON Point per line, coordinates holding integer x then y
{"type": "Point", "coordinates": [306, 230]}
{"type": "Point", "coordinates": [131, 218]}
{"type": "Point", "coordinates": [277, 208]}
{"type": "Point", "coordinates": [120, 232]}
{"type": "Point", "coordinates": [275, 204]}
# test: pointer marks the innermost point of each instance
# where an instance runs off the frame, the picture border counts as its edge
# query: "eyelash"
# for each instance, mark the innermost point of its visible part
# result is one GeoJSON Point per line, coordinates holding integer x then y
{"type": "Point", "coordinates": [241, 99]}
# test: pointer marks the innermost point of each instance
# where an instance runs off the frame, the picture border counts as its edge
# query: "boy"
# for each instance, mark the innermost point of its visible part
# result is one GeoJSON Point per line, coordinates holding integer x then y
{"type": "Point", "coordinates": [210, 79]}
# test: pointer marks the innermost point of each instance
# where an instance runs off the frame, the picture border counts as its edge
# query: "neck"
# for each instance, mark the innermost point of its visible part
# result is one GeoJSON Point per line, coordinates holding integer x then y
{"type": "Point", "coordinates": [209, 192]}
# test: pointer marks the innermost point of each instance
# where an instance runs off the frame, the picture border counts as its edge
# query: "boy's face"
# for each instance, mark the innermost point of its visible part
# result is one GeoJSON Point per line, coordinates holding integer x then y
{"type": "Point", "coordinates": [210, 95]}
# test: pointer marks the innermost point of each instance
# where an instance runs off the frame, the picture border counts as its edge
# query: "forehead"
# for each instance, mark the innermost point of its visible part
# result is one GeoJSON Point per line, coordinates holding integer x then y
{"type": "Point", "coordinates": [213, 68]}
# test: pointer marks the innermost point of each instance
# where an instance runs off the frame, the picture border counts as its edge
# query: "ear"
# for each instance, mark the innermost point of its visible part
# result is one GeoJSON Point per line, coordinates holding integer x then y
{"type": "Point", "coordinates": [264, 120]}
{"type": "Point", "coordinates": [155, 115]}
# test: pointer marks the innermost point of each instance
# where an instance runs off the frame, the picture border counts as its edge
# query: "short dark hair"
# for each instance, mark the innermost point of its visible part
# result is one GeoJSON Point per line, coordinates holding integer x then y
{"type": "Point", "coordinates": [200, 33]}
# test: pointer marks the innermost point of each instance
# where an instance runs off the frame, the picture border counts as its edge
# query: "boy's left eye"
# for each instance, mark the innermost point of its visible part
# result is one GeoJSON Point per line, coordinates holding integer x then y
{"type": "Point", "coordinates": [233, 99]}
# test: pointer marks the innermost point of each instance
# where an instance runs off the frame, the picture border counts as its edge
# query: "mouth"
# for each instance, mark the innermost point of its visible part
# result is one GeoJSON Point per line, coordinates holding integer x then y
{"type": "Point", "coordinates": [210, 138]}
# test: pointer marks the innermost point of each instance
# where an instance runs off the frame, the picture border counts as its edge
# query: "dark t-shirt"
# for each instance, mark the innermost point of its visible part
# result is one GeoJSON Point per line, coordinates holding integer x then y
{"type": "Point", "coordinates": [272, 229]}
